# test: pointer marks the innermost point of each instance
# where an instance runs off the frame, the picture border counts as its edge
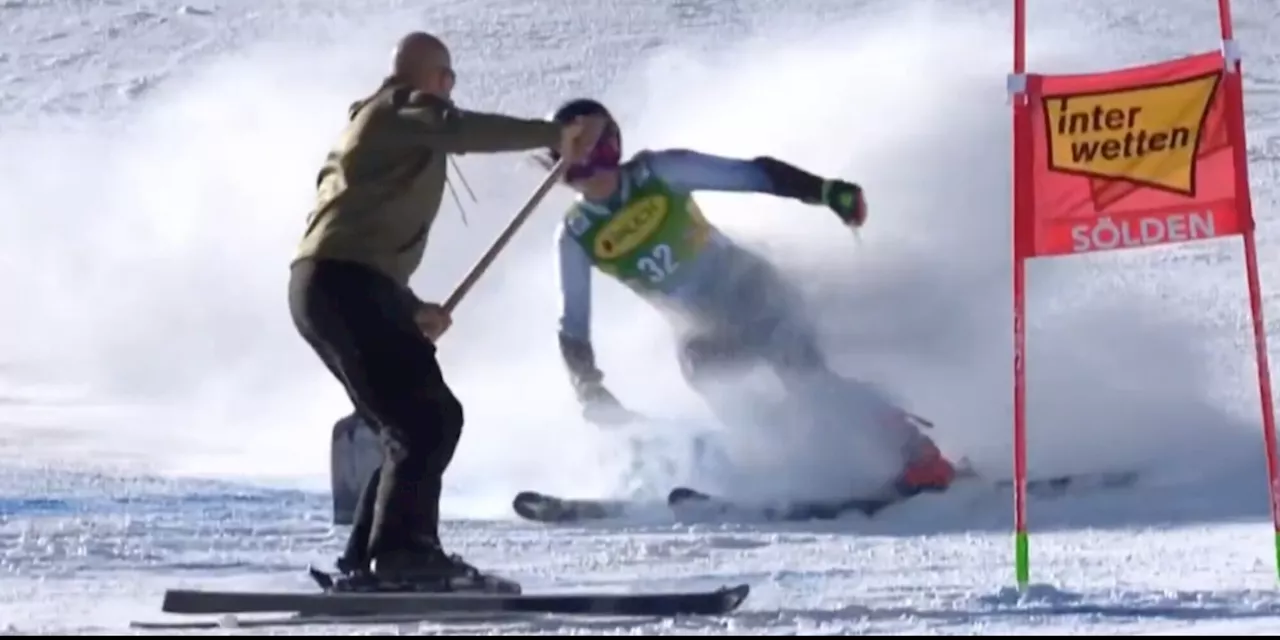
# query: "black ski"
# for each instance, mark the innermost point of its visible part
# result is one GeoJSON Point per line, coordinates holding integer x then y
{"type": "Point", "coordinates": [295, 620]}
{"type": "Point", "coordinates": [707, 504]}
{"type": "Point", "coordinates": [549, 509]}
{"type": "Point", "coordinates": [1055, 486]}
{"type": "Point", "coordinates": [358, 605]}
{"type": "Point", "coordinates": [541, 507]}
{"type": "Point", "coordinates": [546, 508]}
{"type": "Point", "coordinates": [1051, 487]}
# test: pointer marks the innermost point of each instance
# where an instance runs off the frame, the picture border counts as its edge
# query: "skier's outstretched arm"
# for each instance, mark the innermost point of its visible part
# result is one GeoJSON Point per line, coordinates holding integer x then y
{"type": "Point", "coordinates": [695, 171]}
{"type": "Point", "coordinates": [575, 331]}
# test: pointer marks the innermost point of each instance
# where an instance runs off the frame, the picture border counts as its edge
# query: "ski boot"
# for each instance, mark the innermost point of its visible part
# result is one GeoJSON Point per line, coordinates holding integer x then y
{"type": "Point", "coordinates": [926, 470]}
{"type": "Point", "coordinates": [349, 566]}
{"type": "Point", "coordinates": [423, 569]}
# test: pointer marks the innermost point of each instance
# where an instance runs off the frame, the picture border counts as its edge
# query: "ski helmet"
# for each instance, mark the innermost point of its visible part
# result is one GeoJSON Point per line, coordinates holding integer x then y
{"type": "Point", "coordinates": [607, 152]}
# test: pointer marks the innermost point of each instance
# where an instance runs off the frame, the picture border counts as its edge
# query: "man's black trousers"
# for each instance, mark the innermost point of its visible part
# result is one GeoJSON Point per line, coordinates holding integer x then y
{"type": "Point", "coordinates": [361, 324]}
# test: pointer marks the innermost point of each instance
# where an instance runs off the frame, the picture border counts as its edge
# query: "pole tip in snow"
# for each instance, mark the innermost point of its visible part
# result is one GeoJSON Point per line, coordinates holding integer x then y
{"type": "Point", "coordinates": [1278, 555]}
{"type": "Point", "coordinates": [1022, 559]}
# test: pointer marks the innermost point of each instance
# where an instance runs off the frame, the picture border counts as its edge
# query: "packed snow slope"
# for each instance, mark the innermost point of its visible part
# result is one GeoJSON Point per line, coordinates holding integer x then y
{"type": "Point", "coordinates": [163, 425]}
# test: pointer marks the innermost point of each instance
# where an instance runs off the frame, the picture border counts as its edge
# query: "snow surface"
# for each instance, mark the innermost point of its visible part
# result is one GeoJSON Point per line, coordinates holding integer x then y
{"type": "Point", "coordinates": [163, 426]}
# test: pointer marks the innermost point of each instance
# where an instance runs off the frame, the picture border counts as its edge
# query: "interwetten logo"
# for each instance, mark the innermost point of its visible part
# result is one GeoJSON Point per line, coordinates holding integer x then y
{"type": "Point", "coordinates": [1147, 136]}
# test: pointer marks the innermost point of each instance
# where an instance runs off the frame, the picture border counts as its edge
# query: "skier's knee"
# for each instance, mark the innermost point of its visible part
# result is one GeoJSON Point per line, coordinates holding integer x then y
{"type": "Point", "coordinates": [701, 359]}
{"type": "Point", "coordinates": [794, 347]}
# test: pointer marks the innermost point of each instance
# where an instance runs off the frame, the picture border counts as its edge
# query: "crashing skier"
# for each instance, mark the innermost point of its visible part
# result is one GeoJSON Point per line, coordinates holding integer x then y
{"type": "Point", "coordinates": [731, 308]}
{"type": "Point", "coordinates": [637, 222]}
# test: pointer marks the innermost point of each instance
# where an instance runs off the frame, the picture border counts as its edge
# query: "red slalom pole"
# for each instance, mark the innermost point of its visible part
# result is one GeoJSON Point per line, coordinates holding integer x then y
{"type": "Point", "coordinates": [1234, 85]}
{"type": "Point", "coordinates": [1021, 156]}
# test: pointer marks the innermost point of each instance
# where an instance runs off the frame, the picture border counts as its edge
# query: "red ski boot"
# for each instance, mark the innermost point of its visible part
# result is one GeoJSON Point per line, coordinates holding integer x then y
{"type": "Point", "coordinates": [926, 469]}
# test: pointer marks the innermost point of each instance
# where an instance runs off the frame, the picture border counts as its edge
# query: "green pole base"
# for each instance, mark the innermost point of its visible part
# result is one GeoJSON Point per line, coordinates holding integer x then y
{"type": "Point", "coordinates": [1022, 559]}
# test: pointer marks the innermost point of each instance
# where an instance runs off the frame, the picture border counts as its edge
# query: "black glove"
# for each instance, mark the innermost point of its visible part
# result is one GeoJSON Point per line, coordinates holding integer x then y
{"type": "Point", "coordinates": [845, 199]}
{"type": "Point", "coordinates": [601, 408]}
{"type": "Point", "coordinates": [598, 405]}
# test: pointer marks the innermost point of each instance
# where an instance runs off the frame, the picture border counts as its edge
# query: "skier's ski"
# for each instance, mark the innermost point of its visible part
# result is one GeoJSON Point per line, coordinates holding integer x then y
{"type": "Point", "coordinates": [295, 620]}
{"type": "Point", "coordinates": [691, 501]}
{"type": "Point", "coordinates": [1052, 487]}
{"type": "Point", "coordinates": [540, 507]}
{"type": "Point", "coordinates": [717, 602]}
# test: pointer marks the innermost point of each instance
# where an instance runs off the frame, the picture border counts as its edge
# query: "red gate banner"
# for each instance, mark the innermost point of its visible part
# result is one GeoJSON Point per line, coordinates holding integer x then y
{"type": "Point", "coordinates": [1131, 158]}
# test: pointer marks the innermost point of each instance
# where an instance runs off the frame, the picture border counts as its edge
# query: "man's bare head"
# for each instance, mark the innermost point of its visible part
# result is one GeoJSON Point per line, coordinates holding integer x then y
{"type": "Point", "coordinates": [423, 60]}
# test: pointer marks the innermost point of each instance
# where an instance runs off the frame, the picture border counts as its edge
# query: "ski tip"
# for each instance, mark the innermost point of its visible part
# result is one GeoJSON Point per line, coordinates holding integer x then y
{"type": "Point", "coordinates": [733, 597]}
{"type": "Point", "coordinates": [322, 578]}
{"type": "Point", "coordinates": [684, 494]}
{"type": "Point", "coordinates": [527, 496]}
{"type": "Point", "coordinates": [530, 505]}
{"type": "Point", "coordinates": [175, 601]}
{"type": "Point", "coordinates": [528, 500]}
{"type": "Point", "coordinates": [547, 509]}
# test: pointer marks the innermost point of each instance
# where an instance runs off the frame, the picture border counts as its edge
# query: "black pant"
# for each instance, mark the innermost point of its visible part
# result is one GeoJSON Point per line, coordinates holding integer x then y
{"type": "Point", "coordinates": [361, 324]}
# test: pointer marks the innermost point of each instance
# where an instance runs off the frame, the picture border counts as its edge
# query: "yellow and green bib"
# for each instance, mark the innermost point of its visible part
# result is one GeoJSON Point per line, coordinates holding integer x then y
{"type": "Point", "coordinates": [645, 238]}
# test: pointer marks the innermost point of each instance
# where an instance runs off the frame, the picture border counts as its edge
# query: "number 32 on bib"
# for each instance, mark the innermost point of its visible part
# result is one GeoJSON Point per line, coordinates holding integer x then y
{"type": "Point", "coordinates": [658, 263]}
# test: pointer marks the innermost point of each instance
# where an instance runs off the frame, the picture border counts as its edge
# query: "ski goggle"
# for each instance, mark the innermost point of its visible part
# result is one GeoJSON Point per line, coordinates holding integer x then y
{"type": "Point", "coordinates": [605, 155]}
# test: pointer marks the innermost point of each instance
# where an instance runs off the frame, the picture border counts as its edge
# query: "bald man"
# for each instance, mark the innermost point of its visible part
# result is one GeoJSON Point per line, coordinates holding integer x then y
{"type": "Point", "coordinates": [377, 195]}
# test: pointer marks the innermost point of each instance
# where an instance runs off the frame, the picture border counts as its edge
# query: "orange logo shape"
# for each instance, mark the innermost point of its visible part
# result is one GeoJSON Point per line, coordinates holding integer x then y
{"type": "Point", "coordinates": [1148, 136]}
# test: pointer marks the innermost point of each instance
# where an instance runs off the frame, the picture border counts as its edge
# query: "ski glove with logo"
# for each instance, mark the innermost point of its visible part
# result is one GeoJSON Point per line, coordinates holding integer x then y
{"type": "Point", "coordinates": [845, 199]}
{"type": "Point", "coordinates": [789, 181]}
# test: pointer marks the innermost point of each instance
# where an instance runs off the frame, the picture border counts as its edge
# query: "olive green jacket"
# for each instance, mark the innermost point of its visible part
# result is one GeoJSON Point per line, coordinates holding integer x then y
{"type": "Point", "coordinates": [381, 186]}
